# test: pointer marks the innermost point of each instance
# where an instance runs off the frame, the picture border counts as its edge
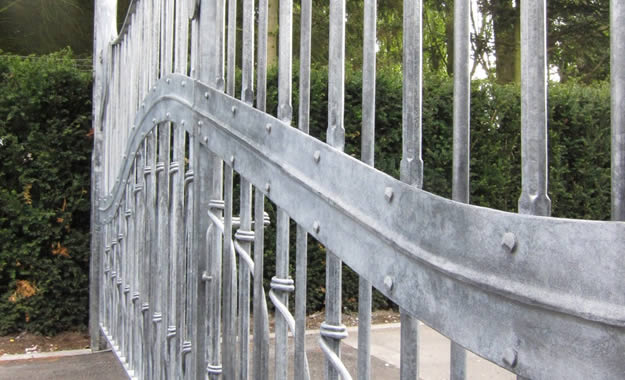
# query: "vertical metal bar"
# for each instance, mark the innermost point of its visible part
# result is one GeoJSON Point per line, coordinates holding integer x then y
{"type": "Point", "coordinates": [182, 38]}
{"type": "Point", "coordinates": [301, 252]}
{"type": "Point", "coordinates": [150, 236]}
{"type": "Point", "coordinates": [534, 199]}
{"type": "Point", "coordinates": [461, 139]}
{"type": "Point", "coordinates": [156, 41]}
{"type": "Point", "coordinates": [164, 51]}
{"type": "Point", "coordinates": [140, 252]}
{"type": "Point", "coordinates": [617, 79]}
{"type": "Point", "coordinates": [261, 325]}
{"type": "Point", "coordinates": [282, 273]}
{"type": "Point", "coordinates": [176, 245]}
{"type": "Point", "coordinates": [134, 285]}
{"type": "Point", "coordinates": [205, 70]}
{"type": "Point", "coordinates": [411, 169]}
{"type": "Point", "coordinates": [282, 222]}
{"type": "Point", "coordinates": [232, 45]}
{"type": "Point", "coordinates": [130, 270]}
{"type": "Point", "coordinates": [301, 247]}
{"type": "Point", "coordinates": [162, 255]}
{"type": "Point", "coordinates": [285, 111]}
{"type": "Point", "coordinates": [214, 367]}
{"type": "Point", "coordinates": [247, 73]}
{"type": "Point", "coordinates": [261, 56]}
{"type": "Point", "coordinates": [202, 182]}
{"type": "Point", "coordinates": [169, 35]}
{"type": "Point", "coordinates": [187, 360]}
{"type": "Point", "coordinates": [335, 138]}
{"type": "Point", "coordinates": [245, 234]}
{"type": "Point", "coordinates": [220, 52]}
{"type": "Point", "coordinates": [229, 278]}
{"type": "Point", "coordinates": [104, 30]}
{"type": "Point", "coordinates": [368, 142]}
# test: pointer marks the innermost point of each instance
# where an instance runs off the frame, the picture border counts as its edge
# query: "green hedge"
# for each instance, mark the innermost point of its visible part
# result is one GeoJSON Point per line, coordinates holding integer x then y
{"type": "Point", "coordinates": [45, 112]}
{"type": "Point", "coordinates": [45, 151]}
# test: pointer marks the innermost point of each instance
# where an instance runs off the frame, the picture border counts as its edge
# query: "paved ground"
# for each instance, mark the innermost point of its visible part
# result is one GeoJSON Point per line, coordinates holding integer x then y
{"type": "Point", "coordinates": [434, 358]}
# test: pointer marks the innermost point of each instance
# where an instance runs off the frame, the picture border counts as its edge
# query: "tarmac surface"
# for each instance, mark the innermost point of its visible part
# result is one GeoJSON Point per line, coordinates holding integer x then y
{"type": "Point", "coordinates": [434, 360]}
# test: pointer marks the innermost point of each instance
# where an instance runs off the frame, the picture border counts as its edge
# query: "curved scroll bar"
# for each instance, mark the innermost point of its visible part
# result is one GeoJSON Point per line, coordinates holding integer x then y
{"type": "Point", "coordinates": [284, 311]}
{"type": "Point", "coordinates": [334, 360]}
{"type": "Point", "coordinates": [127, 21]}
{"type": "Point", "coordinates": [514, 278]}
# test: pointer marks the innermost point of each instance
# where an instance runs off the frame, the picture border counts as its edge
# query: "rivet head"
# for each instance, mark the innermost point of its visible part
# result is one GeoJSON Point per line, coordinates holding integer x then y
{"type": "Point", "coordinates": [206, 95]}
{"type": "Point", "coordinates": [508, 242]}
{"type": "Point", "coordinates": [510, 357]}
{"type": "Point", "coordinates": [182, 122]}
{"type": "Point", "coordinates": [232, 160]}
{"type": "Point", "coordinates": [142, 105]}
{"type": "Point", "coordinates": [205, 139]}
{"type": "Point", "coordinates": [153, 121]}
{"type": "Point", "coordinates": [167, 115]}
{"type": "Point", "coordinates": [167, 80]}
{"type": "Point", "coordinates": [200, 122]}
{"type": "Point", "coordinates": [268, 128]}
{"type": "Point", "coordinates": [267, 187]}
{"type": "Point", "coordinates": [317, 156]}
{"type": "Point", "coordinates": [388, 194]}
{"type": "Point", "coordinates": [388, 283]}
{"type": "Point", "coordinates": [316, 227]}
{"type": "Point", "coordinates": [234, 110]}
{"type": "Point", "coordinates": [183, 83]}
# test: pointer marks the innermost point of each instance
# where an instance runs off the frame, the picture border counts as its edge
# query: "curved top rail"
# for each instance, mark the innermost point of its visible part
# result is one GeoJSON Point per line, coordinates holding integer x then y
{"type": "Point", "coordinates": [448, 263]}
{"type": "Point", "coordinates": [132, 7]}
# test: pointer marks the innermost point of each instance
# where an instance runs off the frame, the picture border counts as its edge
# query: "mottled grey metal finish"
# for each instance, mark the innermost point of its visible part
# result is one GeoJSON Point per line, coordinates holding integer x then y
{"type": "Point", "coordinates": [367, 147]}
{"type": "Point", "coordinates": [461, 140]}
{"type": "Point", "coordinates": [514, 298]}
{"type": "Point", "coordinates": [534, 199]}
{"type": "Point", "coordinates": [411, 167]}
{"type": "Point", "coordinates": [173, 264]}
{"type": "Point", "coordinates": [617, 77]}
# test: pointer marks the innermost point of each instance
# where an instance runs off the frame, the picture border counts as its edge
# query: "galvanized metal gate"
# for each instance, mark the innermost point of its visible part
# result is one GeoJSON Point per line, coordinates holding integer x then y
{"type": "Point", "coordinates": [174, 271]}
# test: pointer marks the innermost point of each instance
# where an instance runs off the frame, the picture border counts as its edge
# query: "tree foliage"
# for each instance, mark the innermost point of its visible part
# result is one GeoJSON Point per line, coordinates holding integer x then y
{"type": "Point", "coordinates": [45, 26]}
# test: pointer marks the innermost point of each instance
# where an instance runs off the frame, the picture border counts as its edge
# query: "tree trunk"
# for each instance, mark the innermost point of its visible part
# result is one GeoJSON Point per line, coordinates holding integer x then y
{"type": "Point", "coordinates": [272, 32]}
{"type": "Point", "coordinates": [506, 25]}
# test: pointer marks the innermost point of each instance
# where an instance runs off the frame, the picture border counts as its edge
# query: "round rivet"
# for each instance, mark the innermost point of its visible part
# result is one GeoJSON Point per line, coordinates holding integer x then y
{"type": "Point", "coordinates": [268, 128]}
{"type": "Point", "coordinates": [200, 122]}
{"type": "Point", "coordinates": [388, 283]}
{"type": "Point", "coordinates": [167, 115]}
{"type": "Point", "coordinates": [267, 187]}
{"type": "Point", "coordinates": [206, 95]}
{"type": "Point", "coordinates": [153, 121]}
{"type": "Point", "coordinates": [167, 80]}
{"type": "Point", "coordinates": [510, 357]}
{"type": "Point", "coordinates": [508, 242]}
{"type": "Point", "coordinates": [316, 227]}
{"type": "Point", "coordinates": [232, 160]}
{"type": "Point", "coordinates": [234, 110]}
{"type": "Point", "coordinates": [388, 194]}
{"type": "Point", "coordinates": [317, 156]}
{"type": "Point", "coordinates": [205, 139]}
{"type": "Point", "coordinates": [183, 83]}
{"type": "Point", "coordinates": [182, 122]}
